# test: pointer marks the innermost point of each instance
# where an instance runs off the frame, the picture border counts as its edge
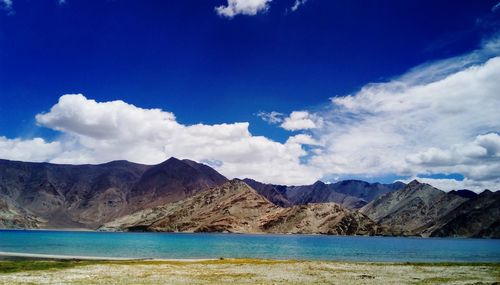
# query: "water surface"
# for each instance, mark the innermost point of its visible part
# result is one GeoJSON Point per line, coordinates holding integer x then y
{"type": "Point", "coordinates": [184, 245]}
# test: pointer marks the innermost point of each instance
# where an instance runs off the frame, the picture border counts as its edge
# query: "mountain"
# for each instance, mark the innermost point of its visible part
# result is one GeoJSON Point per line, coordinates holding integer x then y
{"type": "Point", "coordinates": [16, 218]}
{"type": "Point", "coordinates": [274, 193]}
{"type": "Point", "coordinates": [236, 207]}
{"type": "Point", "coordinates": [183, 195]}
{"type": "Point", "coordinates": [352, 194]}
{"type": "Point", "coordinates": [86, 196]}
{"type": "Point", "coordinates": [464, 193]}
{"type": "Point", "coordinates": [171, 181]}
{"type": "Point", "coordinates": [321, 218]}
{"type": "Point", "coordinates": [409, 210]}
{"type": "Point", "coordinates": [364, 190]}
{"type": "Point", "coordinates": [320, 192]}
{"type": "Point", "coordinates": [477, 217]}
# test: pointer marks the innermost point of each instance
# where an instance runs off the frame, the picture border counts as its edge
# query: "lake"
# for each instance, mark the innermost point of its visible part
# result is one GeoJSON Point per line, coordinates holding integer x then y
{"type": "Point", "coordinates": [186, 245]}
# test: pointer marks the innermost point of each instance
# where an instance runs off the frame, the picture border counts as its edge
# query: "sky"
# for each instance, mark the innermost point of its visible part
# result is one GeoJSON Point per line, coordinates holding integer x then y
{"type": "Point", "coordinates": [282, 91]}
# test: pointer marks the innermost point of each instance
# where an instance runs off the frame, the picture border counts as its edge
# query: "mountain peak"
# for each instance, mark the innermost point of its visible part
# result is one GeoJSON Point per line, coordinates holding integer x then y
{"type": "Point", "coordinates": [414, 183]}
{"type": "Point", "coordinates": [172, 160]}
{"type": "Point", "coordinates": [319, 183]}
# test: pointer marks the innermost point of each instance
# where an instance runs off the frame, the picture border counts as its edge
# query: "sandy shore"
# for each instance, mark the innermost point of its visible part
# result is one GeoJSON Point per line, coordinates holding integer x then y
{"type": "Point", "coordinates": [55, 256]}
{"type": "Point", "coordinates": [8, 255]}
{"type": "Point", "coordinates": [242, 271]}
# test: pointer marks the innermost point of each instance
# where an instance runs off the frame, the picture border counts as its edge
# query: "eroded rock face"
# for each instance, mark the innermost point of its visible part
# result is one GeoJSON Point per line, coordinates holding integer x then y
{"type": "Point", "coordinates": [274, 193]}
{"type": "Point", "coordinates": [364, 190]}
{"type": "Point", "coordinates": [420, 209]}
{"type": "Point", "coordinates": [321, 218]}
{"type": "Point", "coordinates": [86, 196]}
{"type": "Point", "coordinates": [477, 217]}
{"type": "Point", "coordinates": [236, 207]}
{"type": "Point", "coordinates": [352, 194]}
{"type": "Point", "coordinates": [11, 216]}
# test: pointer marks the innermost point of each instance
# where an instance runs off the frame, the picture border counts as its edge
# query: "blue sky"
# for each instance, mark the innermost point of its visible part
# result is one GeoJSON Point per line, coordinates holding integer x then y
{"type": "Point", "coordinates": [187, 59]}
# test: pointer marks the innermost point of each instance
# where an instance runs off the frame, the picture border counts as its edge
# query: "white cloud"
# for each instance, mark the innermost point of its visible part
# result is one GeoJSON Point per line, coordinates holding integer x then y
{"type": "Point", "coordinates": [271, 117]}
{"type": "Point", "coordinates": [6, 5]}
{"type": "Point", "coordinates": [301, 120]}
{"type": "Point", "coordinates": [96, 132]}
{"type": "Point", "coordinates": [483, 150]}
{"type": "Point", "coordinates": [452, 184]}
{"type": "Point", "coordinates": [243, 7]}
{"type": "Point", "coordinates": [303, 139]}
{"type": "Point", "coordinates": [297, 4]}
{"type": "Point", "coordinates": [35, 149]}
{"type": "Point", "coordinates": [438, 118]}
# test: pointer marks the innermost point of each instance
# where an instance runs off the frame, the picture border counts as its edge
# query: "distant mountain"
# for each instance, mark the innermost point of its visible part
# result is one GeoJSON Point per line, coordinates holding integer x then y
{"type": "Point", "coordinates": [274, 193]}
{"type": "Point", "coordinates": [352, 194]}
{"type": "Point", "coordinates": [364, 190]}
{"type": "Point", "coordinates": [409, 209]}
{"type": "Point", "coordinates": [464, 193]}
{"type": "Point", "coordinates": [85, 196]}
{"type": "Point", "coordinates": [320, 192]}
{"type": "Point", "coordinates": [236, 207]}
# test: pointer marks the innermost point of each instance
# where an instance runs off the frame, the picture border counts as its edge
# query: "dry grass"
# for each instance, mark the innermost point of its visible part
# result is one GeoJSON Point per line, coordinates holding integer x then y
{"type": "Point", "coordinates": [244, 271]}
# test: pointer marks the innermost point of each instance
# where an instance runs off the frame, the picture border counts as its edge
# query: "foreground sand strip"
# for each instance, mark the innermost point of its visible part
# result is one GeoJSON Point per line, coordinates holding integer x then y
{"type": "Point", "coordinates": [254, 271]}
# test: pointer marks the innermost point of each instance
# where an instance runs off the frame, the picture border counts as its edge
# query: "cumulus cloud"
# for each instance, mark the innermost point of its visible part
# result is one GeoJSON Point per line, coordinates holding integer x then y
{"type": "Point", "coordinates": [301, 120]}
{"type": "Point", "coordinates": [96, 132]}
{"type": "Point", "coordinates": [35, 149]}
{"type": "Point", "coordinates": [483, 150]}
{"type": "Point", "coordinates": [271, 117]}
{"type": "Point", "coordinates": [243, 7]}
{"type": "Point", "coordinates": [303, 139]}
{"type": "Point", "coordinates": [438, 118]}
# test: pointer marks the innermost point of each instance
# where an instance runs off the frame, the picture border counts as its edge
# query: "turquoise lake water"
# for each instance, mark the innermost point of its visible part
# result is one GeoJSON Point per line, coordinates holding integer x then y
{"type": "Point", "coordinates": [181, 245]}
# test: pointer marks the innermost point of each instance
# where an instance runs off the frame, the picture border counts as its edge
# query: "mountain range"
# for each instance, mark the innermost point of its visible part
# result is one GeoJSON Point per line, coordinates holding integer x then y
{"type": "Point", "coordinates": [236, 207]}
{"type": "Point", "coordinates": [186, 196]}
{"type": "Point", "coordinates": [420, 209]}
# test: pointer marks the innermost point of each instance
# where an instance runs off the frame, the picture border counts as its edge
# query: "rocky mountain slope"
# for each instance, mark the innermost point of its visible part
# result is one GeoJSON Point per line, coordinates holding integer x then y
{"type": "Point", "coordinates": [85, 196]}
{"type": "Point", "coordinates": [477, 217]}
{"type": "Point", "coordinates": [320, 192]}
{"type": "Point", "coordinates": [15, 218]}
{"type": "Point", "coordinates": [420, 209]}
{"type": "Point", "coordinates": [183, 195]}
{"type": "Point", "coordinates": [364, 190]}
{"type": "Point", "coordinates": [274, 193]}
{"type": "Point", "coordinates": [352, 194]}
{"type": "Point", "coordinates": [236, 207]}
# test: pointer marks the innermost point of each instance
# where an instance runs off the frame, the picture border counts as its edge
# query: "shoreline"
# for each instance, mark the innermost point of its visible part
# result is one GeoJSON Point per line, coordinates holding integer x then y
{"type": "Point", "coordinates": [4, 255]}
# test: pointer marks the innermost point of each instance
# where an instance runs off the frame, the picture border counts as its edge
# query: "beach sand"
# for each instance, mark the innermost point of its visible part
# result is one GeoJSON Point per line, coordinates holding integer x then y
{"type": "Point", "coordinates": [240, 271]}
